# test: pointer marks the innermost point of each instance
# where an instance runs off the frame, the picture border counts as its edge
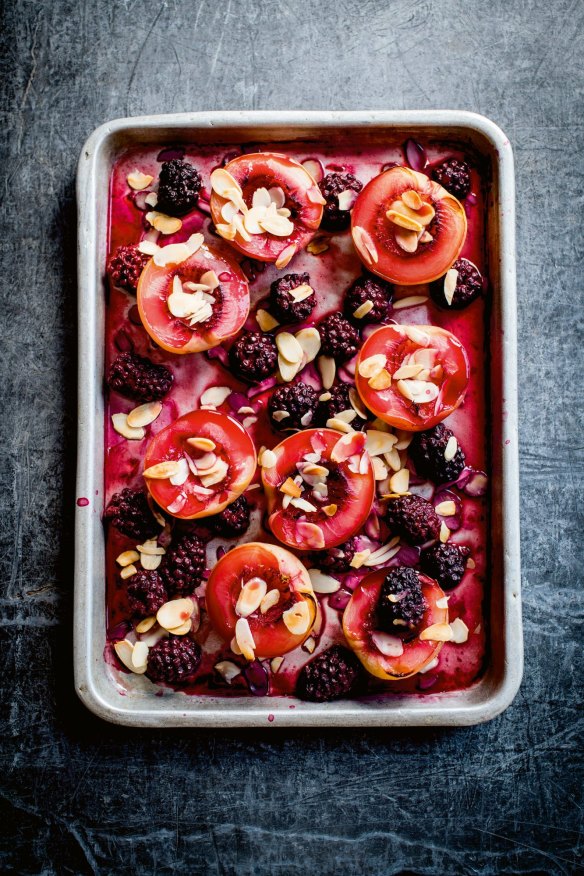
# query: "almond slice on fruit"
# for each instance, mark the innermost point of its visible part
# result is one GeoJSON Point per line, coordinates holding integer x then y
{"type": "Point", "coordinates": [451, 448]}
{"type": "Point", "coordinates": [404, 221]}
{"type": "Point", "coordinates": [250, 597]}
{"type": "Point", "coordinates": [381, 381]}
{"type": "Point", "coordinates": [224, 183]}
{"type": "Point", "coordinates": [286, 256]}
{"type": "Point", "coordinates": [347, 446]}
{"type": "Point", "coordinates": [365, 246]}
{"type": "Point", "coordinates": [148, 247]}
{"type": "Point", "coordinates": [173, 254]}
{"type": "Point", "coordinates": [406, 240]}
{"type": "Point", "coordinates": [418, 391]}
{"type": "Point", "coordinates": [444, 533]}
{"type": "Point", "coordinates": [436, 633]}
{"type": "Point", "coordinates": [268, 459]}
{"type": "Point", "coordinates": [163, 223]}
{"type": "Point", "coordinates": [163, 470]}
{"type": "Point", "coordinates": [244, 638]}
{"type": "Point", "coordinates": [406, 371]}
{"type": "Point", "coordinates": [227, 670]}
{"type": "Point", "coordinates": [363, 309]}
{"type": "Point", "coordinates": [311, 534]}
{"type": "Point", "coordinates": [145, 624]}
{"type": "Point", "coordinates": [271, 599]}
{"type": "Point", "coordinates": [412, 199]}
{"type": "Point", "coordinates": [339, 425]}
{"type": "Point", "coordinates": [379, 469]}
{"type": "Point", "coordinates": [390, 646]}
{"type": "Point", "coordinates": [459, 631]}
{"type": "Point", "coordinates": [215, 395]}
{"type": "Point", "coordinates": [226, 230]}
{"type": "Point", "coordinates": [120, 424]}
{"type": "Point", "coordinates": [297, 618]}
{"type": "Point", "coordinates": [127, 557]}
{"type": "Point", "coordinates": [378, 442]}
{"type": "Point", "coordinates": [143, 415]}
{"type": "Point", "coordinates": [289, 348]}
{"type": "Point", "coordinates": [372, 366]}
{"type": "Point", "coordinates": [383, 554]}
{"type": "Point", "coordinates": [178, 479]}
{"type": "Point", "coordinates": [173, 614]}
{"type": "Point", "coordinates": [204, 444]}
{"type": "Point", "coordinates": [346, 199]}
{"type": "Point", "coordinates": [417, 336]}
{"type": "Point", "coordinates": [327, 368]}
{"type": "Point", "coordinates": [309, 340]}
{"type": "Point", "coordinates": [266, 321]}
{"type": "Point", "coordinates": [178, 504]}
{"type": "Point", "coordinates": [303, 505]}
{"type": "Point", "coordinates": [290, 488]}
{"type": "Point", "coordinates": [322, 583]}
{"type": "Point", "coordinates": [216, 474]}
{"type": "Point", "coordinates": [275, 224]}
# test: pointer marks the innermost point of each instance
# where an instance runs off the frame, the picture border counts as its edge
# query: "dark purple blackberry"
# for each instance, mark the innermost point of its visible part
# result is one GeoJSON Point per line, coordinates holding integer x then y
{"type": "Point", "coordinates": [125, 267]}
{"type": "Point", "coordinates": [174, 660]}
{"type": "Point", "coordinates": [183, 565]}
{"type": "Point", "coordinates": [283, 305]}
{"type": "Point", "coordinates": [331, 186]}
{"type": "Point", "coordinates": [368, 288]}
{"type": "Point", "coordinates": [146, 593]}
{"type": "Point", "coordinates": [469, 285]}
{"type": "Point", "coordinates": [331, 675]}
{"type": "Point", "coordinates": [337, 559]}
{"type": "Point", "coordinates": [233, 520]}
{"type": "Point", "coordinates": [412, 518]}
{"type": "Point", "coordinates": [454, 175]}
{"type": "Point", "coordinates": [138, 378]}
{"type": "Point", "coordinates": [254, 356]}
{"type": "Point", "coordinates": [130, 513]}
{"type": "Point", "coordinates": [299, 401]}
{"type": "Point", "coordinates": [446, 563]}
{"type": "Point", "coordinates": [401, 603]}
{"type": "Point", "coordinates": [338, 337]}
{"type": "Point", "coordinates": [339, 401]}
{"type": "Point", "coordinates": [427, 453]}
{"type": "Point", "coordinates": [178, 188]}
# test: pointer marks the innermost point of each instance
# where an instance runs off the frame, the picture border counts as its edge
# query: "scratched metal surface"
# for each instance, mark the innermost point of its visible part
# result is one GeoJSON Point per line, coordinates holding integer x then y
{"type": "Point", "coordinates": [79, 796]}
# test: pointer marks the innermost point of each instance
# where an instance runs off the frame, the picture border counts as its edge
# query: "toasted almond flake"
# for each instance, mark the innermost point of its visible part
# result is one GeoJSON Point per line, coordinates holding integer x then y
{"type": "Point", "coordinates": [268, 459]}
{"type": "Point", "coordinates": [228, 211]}
{"type": "Point", "coordinates": [313, 468]}
{"type": "Point", "coordinates": [325, 396]}
{"type": "Point", "coordinates": [388, 645]}
{"type": "Point", "coordinates": [148, 247]}
{"type": "Point", "coordinates": [289, 348]}
{"type": "Point", "coordinates": [227, 670]}
{"type": "Point", "coordinates": [383, 554]}
{"type": "Point", "coordinates": [206, 464]}
{"type": "Point", "coordinates": [418, 391]}
{"type": "Point", "coordinates": [359, 558]}
{"type": "Point", "coordinates": [400, 481]}
{"type": "Point", "coordinates": [363, 309]}
{"type": "Point", "coordinates": [174, 613]}
{"type": "Point", "coordinates": [459, 631]}
{"type": "Point", "coordinates": [436, 633]}
{"type": "Point", "coordinates": [408, 371]}
{"type": "Point", "coordinates": [330, 510]}
{"type": "Point", "coordinates": [216, 474]}
{"type": "Point", "coordinates": [127, 557]}
{"type": "Point", "coordinates": [426, 213]}
{"type": "Point", "coordinates": [226, 230]}
{"type": "Point", "coordinates": [372, 366]}
{"type": "Point", "coordinates": [379, 469]}
{"type": "Point", "coordinates": [143, 415]}
{"type": "Point", "coordinates": [248, 422]}
{"type": "Point", "coordinates": [416, 335]}
{"type": "Point", "coordinates": [444, 533]}
{"type": "Point", "coordinates": [364, 245]}
{"type": "Point", "coordinates": [275, 223]}
{"type": "Point", "coordinates": [125, 650]}
{"type": "Point", "coordinates": [322, 583]}
{"type": "Point", "coordinates": [303, 505]}
{"type": "Point", "coordinates": [261, 198]}
{"type": "Point", "coordinates": [150, 562]}
{"type": "Point", "coordinates": [339, 425]}
{"type": "Point", "coordinates": [404, 221]}
{"type": "Point", "coordinates": [145, 624]}
{"type": "Point", "coordinates": [173, 254]}
{"type": "Point", "coordinates": [178, 479]}
{"type": "Point", "coordinates": [138, 180]}
{"type": "Point", "coordinates": [446, 509]}
{"type": "Point", "coordinates": [404, 439]}
{"type": "Point", "coordinates": [311, 534]}
{"type": "Point", "coordinates": [128, 571]}
{"type": "Point", "coordinates": [215, 395]}
{"type": "Point", "coordinates": [410, 301]}
{"type": "Point", "coordinates": [451, 448]}
{"type": "Point", "coordinates": [470, 563]}
{"type": "Point", "coordinates": [121, 426]}
{"type": "Point", "coordinates": [327, 368]}
{"type": "Point", "coordinates": [246, 409]}
{"type": "Point", "coordinates": [244, 638]}
{"type": "Point", "coordinates": [224, 183]}
{"type": "Point", "coordinates": [204, 444]}
{"type": "Point", "coordinates": [317, 246]}
{"type": "Point", "coordinates": [378, 442]}
{"type": "Point", "coordinates": [288, 370]}
{"type": "Point", "coordinates": [426, 237]}
{"type": "Point", "coordinates": [286, 256]}
{"type": "Point", "coordinates": [309, 340]}
{"type": "Point", "coordinates": [406, 240]}
{"type": "Point", "coordinates": [442, 602]}
{"type": "Point", "coordinates": [271, 599]}
{"type": "Point", "coordinates": [346, 199]}
{"type": "Point", "coordinates": [250, 596]}
{"type": "Point", "coordinates": [412, 199]}
{"type": "Point", "coordinates": [393, 460]}
{"type": "Point", "coordinates": [163, 470]}
{"type": "Point", "coordinates": [140, 655]}
{"type": "Point", "coordinates": [275, 664]}
{"type": "Point", "coordinates": [297, 618]}
{"type": "Point", "coordinates": [450, 281]}
{"type": "Point", "coordinates": [182, 629]}
{"type": "Point", "coordinates": [381, 381]}
{"type": "Point", "coordinates": [346, 416]}
{"type": "Point", "coordinates": [151, 547]}
{"type": "Point", "coordinates": [265, 320]}
{"type": "Point", "coordinates": [302, 292]}
{"type": "Point", "coordinates": [309, 645]}
{"type": "Point", "coordinates": [290, 488]}
{"type": "Point", "coordinates": [164, 224]}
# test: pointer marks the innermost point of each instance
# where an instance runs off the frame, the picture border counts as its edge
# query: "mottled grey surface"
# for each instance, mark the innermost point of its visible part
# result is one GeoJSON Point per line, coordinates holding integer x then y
{"type": "Point", "coordinates": [80, 796]}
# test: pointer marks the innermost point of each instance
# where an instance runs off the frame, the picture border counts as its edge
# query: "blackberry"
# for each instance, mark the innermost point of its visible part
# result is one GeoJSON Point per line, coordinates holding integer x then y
{"type": "Point", "coordinates": [233, 520]}
{"type": "Point", "coordinates": [178, 187]}
{"type": "Point", "coordinates": [125, 267]}
{"type": "Point", "coordinates": [401, 603]}
{"type": "Point", "coordinates": [469, 285]}
{"type": "Point", "coordinates": [446, 563]}
{"type": "Point", "coordinates": [412, 518]}
{"type": "Point", "coordinates": [146, 593]}
{"type": "Point", "coordinates": [337, 559]}
{"type": "Point", "coordinates": [254, 356]}
{"type": "Point", "coordinates": [299, 401]}
{"type": "Point", "coordinates": [338, 337]}
{"type": "Point", "coordinates": [183, 565]}
{"type": "Point", "coordinates": [130, 513]}
{"type": "Point", "coordinates": [283, 305]}
{"type": "Point", "coordinates": [138, 378]}
{"type": "Point", "coordinates": [368, 288]}
{"type": "Point", "coordinates": [174, 660]}
{"type": "Point", "coordinates": [332, 674]}
{"type": "Point", "coordinates": [331, 186]}
{"type": "Point", "coordinates": [339, 401]}
{"type": "Point", "coordinates": [427, 453]}
{"type": "Point", "coordinates": [454, 175]}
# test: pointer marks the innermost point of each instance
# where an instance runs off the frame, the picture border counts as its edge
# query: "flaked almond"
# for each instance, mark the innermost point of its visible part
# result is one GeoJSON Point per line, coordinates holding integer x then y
{"type": "Point", "coordinates": [148, 247]}
{"type": "Point", "coordinates": [275, 664]}
{"type": "Point", "coordinates": [288, 370]}
{"type": "Point", "coordinates": [309, 645]}
{"type": "Point", "coordinates": [275, 224]}
{"type": "Point", "coordinates": [373, 365]}
{"type": "Point", "coordinates": [311, 534]}
{"type": "Point", "coordinates": [269, 459]}
{"type": "Point", "coordinates": [314, 468]}
{"type": "Point", "coordinates": [363, 309]}
{"type": "Point", "coordinates": [314, 195]}
{"type": "Point", "coordinates": [265, 320]}
{"type": "Point", "coordinates": [173, 254]}
{"type": "Point", "coordinates": [327, 368]}
{"type": "Point", "coordinates": [224, 183]}
{"type": "Point", "coordinates": [303, 505]}
{"type": "Point", "coordinates": [145, 624]}
{"type": "Point", "coordinates": [416, 335]}
{"type": "Point", "coordinates": [322, 583]}
{"type": "Point", "coordinates": [151, 199]}
{"type": "Point", "coordinates": [163, 223]}
{"type": "Point", "coordinates": [406, 239]}
{"type": "Point", "coordinates": [381, 381]}
{"type": "Point", "coordinates": [138, 180]}
{"type": "Point", "coordinates": [178, 504]}
{"type": "Point", "coordinates": [404, 439]}
{"type": "Point", "coordinates": [216, 474]}
{"type": "Point", "coordinates": [150, 562]}
{"type": "Point", "coordinates": [451, 448]}
{"type": "Point", "coordinates": [182, 629]}
{"type": "Point", "coordinates": [400, 481]}
{"type": "Point", "coordinates": [378, 442]}
{"type": "Point", "coordinates": [347, 446]}
{"type": "Point", "coordinates": [356, 403]}
{"type": "Point", "coordinates": [227, 670]}
{"type": "Point", "coordinates": [383, 554]}
{"type": "Point", "coordinates": [309, 340]}
{"type": "Point", "coordinates": [199, 443]}
{"type": "Point", "coordinates": [436, 633]}
{"type": "Point", "coordinates": [250, 596]}
{"type": "Point", "coordinates": [412, 199]}
{"type": "Point", "coordinates": [325, 396]}
{"type": "Point", "coordinates": [339, 425]}
{"type": "Point", "coordinates": [140, 656]}
{"type": "Point", "coordinates": [128, 571]}
{"type": "Point", "coordinates": [359, 558]}
{"type": "Point", "coordinates": [297, 618]}
{"type": "Point", "coordinates": [410, 301]}
{"type": "Point", "coordinates": [127, 557]}
{"type": "Point", "coordinates": [151, 547]}
{"type": "Point", "coordinates": [404, 221]}
{"type": "Point", "coordinates": [286, 256]}
{"type": "Point", "coordinates": [330, 510]}
{"type": "Point", "coordinates": [271, 599]}
{"type": "Point", "coordinates": [393, 459]}
{"type": "Point", "coordinates": [418, 391]}
{"type": "Point", "coordinates": [163, 470]}
{"type": "Point", "coordinates": [459, 631]}
{"type": "Point", "coordinates": [317, 246]}
{"type": "Point", "coordinates": [442, 602]}
{"type": "Point", "coordinates": [302, 292]}
{"type": "Point", "coordinates": [173, 614]}
{"type": "Point", "coordinates": [121, 426]}
{"type": "Point", "coordinates": [291, 488]}
{"type": "Point", "coordinates": [364, 245]}
{"type": "Point", "coordinates": [124, 651]}
{"type": "Point", "coordinates": [379, 469]}
{"type": "Point", "coordinates": [446, 509]}
{"type": "Point", "coordinates": [289, 348]}
{"type": "Point", "coordinates": [143, 415]}
{"type": "Point", "coordinates": [450, 281]}
{"type": "Point", "coordinates": [388, 645]}
{"type": "Point", "coordinates": [406, 371]}
{"type": "Point", "coordinates": [346, 199]}
{"type": "Point", "coordinates": [244, 638]}
{"type": "Point", "coordinates": [178, 479]}
{"type": "Point", "coordinates": [215, 395]}
{"type": "Point", "coordinates": [248, 422]}
{"type": "Point", "coordinates": [226, 230]}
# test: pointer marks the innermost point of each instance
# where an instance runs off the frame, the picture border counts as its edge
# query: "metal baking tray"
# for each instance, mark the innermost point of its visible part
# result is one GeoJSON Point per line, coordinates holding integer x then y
{"type": "Point", "coordinates": [107, 696]}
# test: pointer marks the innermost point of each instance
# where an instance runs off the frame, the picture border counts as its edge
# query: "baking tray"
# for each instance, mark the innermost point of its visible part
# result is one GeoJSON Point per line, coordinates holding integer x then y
{"type": "Point", "coordinates": [93, 680]}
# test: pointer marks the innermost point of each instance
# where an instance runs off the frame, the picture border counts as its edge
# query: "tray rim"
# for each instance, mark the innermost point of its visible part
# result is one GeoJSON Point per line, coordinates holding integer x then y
{"type": "Point", "coordinates": [456, 709]}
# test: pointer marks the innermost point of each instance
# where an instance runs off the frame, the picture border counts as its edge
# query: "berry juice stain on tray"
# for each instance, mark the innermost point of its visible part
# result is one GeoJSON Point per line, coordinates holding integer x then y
{"type": "Point", "coordinates": [296, 487]}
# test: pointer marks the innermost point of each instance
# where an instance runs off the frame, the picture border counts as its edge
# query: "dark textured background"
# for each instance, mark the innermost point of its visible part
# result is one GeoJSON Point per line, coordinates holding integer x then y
{"type": "Point", "coordinates": [80, 796]}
